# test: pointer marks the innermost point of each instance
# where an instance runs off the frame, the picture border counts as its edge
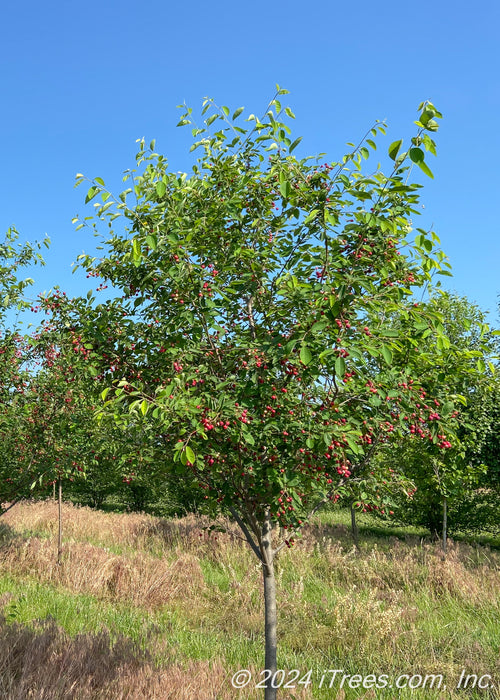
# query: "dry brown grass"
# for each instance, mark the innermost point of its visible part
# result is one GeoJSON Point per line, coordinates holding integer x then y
{"type": "Point", "coordinates": [466, 573]}
{"type": "Point", "coordinates": [133, 530]}
{"type": "Point", "coordinates": [140, 579]}
{"type": "Point", "coordinates": [130, 531]}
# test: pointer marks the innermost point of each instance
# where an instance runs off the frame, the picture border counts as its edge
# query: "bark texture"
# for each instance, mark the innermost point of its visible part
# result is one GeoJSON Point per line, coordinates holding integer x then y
{"type": "Point", "coordinates": [269, 607]}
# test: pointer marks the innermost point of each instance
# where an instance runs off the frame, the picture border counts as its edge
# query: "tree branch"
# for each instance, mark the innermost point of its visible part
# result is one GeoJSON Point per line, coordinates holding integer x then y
{"type": "Point", "coordinates": [247, 534]}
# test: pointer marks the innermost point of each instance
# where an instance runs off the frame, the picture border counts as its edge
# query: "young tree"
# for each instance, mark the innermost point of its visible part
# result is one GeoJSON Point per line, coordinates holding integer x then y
{"type": "Point", "coordinates": [241, 338]}
{"type": "Point", "coordinates": [50, 417]}
{"type": "Point", "coordinates": [462, 361]}
{"type": "Point", "coordinates": [63, 435]}
{"type": "Point", "coordinates": [14, 256]}
{"type": "Point", "coordinates": [480, 511]}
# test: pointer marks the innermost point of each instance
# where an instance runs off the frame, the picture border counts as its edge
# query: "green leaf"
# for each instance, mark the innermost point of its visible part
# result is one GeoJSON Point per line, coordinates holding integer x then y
{"type": "Point", "coordinates": [387, 354]}
{"type": "Point", "coordinates": [152, 241]}
{"type": "Point", "coordinates": [161, 188]}
{"type": "Point", "coordinates": [305, 355]}
{"type": "Point", "coordinates": [426, 116]}
{"type": "Point", "coordinates": [394, 148]}
{"type": "Point", "coordinates": [354, 446]}
{"type": "Point", "coordinates": [401, 157]}
{"type": "Point", "coordinates": [285, 188]}
{"type": "Point", "coordinates": [237, 113]}
{"type": "Point", "coordinates": [416, 155]}
{"type": "Point", "coordinates": [136, 250]}
{"type": "Point", "coordinates": [318, 326]}
{"type": "Point", "coordinates": [295, 144]}
{"type": "Point", "coordinates": [91, 194]}
{"type": "Point", "coordinates": [144, 407]}
{"type": "Point", "coordinates": [340, 367]}
{"type": "Point", "coordinates": [311, 216]}
{"type": "Point", "coordinates": [190, 455]}
{"type": "Point", "coordinates": [425, 169]}
{"type": "Point", "coordinates": [447, 408]}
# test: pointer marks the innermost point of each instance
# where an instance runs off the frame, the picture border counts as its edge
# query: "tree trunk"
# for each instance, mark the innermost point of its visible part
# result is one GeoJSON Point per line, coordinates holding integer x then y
{"type": "Point", "coordinates": [354, 527]}
{"type": "Point", "coordinates": [270, 608]}
{"type": "Point", "coordinates": [445, 524]}
{"type": "Point", "coordinates": [59, 534]}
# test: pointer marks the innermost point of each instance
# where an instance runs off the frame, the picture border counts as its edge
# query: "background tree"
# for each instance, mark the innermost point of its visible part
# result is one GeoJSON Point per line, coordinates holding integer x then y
{"type": "Point", "coordinates": [458, 356]}
{"type": "Point", "coordinates": [14, 257]}
{"type": "Point", "coordinates": [241, 337]}
{"type": "Point", "coordinates": [67, 379]}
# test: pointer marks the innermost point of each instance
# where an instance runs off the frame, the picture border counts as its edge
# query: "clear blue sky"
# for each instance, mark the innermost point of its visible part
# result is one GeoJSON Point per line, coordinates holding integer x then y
{"type": "Point", "coordinates": [81, 81]}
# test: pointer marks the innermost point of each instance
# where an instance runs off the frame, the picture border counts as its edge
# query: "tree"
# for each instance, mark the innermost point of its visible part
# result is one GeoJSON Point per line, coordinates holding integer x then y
{"type": "Point", "coordinates": [14, 256]}
{"type": "Point", "coordinates": [460, 359]}
{"type": "Point", "coordinates": [240, 338]}
{"type": "Point", "coordinates": [490, 450]}
{"type": "Point", "coordinates": [61, 434]}
{"type": "Point", "coordinates": [481, 511]}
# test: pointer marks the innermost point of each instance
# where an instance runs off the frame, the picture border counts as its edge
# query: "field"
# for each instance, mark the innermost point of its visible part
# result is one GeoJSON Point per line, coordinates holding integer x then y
{"type": "Point", "coordinates": [141, 607]}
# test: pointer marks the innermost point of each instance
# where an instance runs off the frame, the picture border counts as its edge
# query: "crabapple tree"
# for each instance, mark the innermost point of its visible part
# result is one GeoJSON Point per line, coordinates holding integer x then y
{"type": "Point", "coordinates": [457, 355]}
{"type": "Point", "coordinates": [253, 306]}
{"type": "Point", "coordinates": [14, 256]}
{"type": "Point", "coordinates": [94, 458]}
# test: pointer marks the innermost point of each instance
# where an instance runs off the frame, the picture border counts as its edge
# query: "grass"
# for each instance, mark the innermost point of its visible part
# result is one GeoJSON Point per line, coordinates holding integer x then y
{"type": "Point", "coordinates": [172, 611]}
{"type": "Point", "coordinates": [371, 525]}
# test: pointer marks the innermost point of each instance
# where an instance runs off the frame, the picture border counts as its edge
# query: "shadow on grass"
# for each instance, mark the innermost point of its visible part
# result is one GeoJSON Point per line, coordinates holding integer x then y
{"type": "Point", "coordinates": [42, 661]}
{"type": "Point", "coordinates": [7, 533]}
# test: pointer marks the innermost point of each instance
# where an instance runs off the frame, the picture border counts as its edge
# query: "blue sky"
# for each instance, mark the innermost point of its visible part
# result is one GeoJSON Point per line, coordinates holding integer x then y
{"type": "Point", "coordinates": [82, 81]}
